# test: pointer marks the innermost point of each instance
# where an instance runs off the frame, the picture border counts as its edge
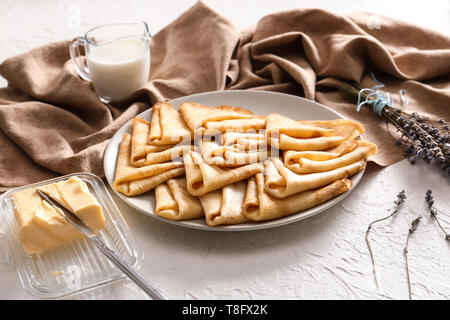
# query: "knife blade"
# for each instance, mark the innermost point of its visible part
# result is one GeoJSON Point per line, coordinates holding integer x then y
{"type": "Point", "coordinates": [135, 276]}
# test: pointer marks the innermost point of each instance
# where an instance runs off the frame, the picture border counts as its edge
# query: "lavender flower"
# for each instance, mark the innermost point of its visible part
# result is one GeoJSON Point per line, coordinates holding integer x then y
{"type": "Point", "coordinates": [419, 136]}
{"type": "Point", "coordinates": [414, 224]}
{"type": "Point", "coordinates": [433, 212]}
{"type": "Point", "coordinates": [411, 230]}
{"type": "Point", "coordinates": [401, 196]}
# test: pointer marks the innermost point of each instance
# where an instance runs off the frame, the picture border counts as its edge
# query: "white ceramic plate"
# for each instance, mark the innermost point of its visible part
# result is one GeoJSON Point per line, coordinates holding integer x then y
{"type": "Point", "coordinates": [259, 102]}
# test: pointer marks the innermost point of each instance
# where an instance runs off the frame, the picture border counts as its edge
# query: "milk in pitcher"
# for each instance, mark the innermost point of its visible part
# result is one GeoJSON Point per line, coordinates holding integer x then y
{"type": "Point", "coordinates": [119, 67]}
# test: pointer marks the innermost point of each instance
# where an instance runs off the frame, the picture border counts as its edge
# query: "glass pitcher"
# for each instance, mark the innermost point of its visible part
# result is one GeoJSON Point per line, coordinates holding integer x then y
{"type": "Point", "coordinates": [117, 57]}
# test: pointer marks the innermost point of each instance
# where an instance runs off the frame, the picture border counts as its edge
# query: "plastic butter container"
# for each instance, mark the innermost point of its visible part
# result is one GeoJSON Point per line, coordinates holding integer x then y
{"type": "Point", "coordinates": [75, 266]}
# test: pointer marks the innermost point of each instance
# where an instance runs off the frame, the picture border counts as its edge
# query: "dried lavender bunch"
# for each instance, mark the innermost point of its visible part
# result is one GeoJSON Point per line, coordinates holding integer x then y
{"type": "Point", "coordinates": [420, 137]}
{"type": "Point", "coordinates": [398, 203]}
{"type": "Point", "coordinates": [433, 212]}
{"type": "Point", "coordinates": [411, 230]}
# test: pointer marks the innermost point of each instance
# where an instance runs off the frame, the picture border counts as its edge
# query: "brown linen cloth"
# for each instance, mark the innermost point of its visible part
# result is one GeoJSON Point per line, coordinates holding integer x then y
{"type": "Point", "coordinates": [52, 123]}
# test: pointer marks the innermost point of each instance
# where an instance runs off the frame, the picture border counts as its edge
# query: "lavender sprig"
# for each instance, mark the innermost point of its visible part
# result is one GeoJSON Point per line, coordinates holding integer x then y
{"type": "Point", "coordinates": [411, 230]}
{"type": "Point", "coordinates": [398, 203]}
{"type": "Point", "coordinates": [419, 136]}
{"type": "Point", "coordinates": [433, 212]}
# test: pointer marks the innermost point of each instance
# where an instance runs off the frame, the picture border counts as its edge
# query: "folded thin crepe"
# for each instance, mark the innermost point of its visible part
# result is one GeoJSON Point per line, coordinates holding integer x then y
{"type": "Point", "coordinates": [297, 163]}
{"type": "Point", "coordinates": [204, 120]}
{"type": "Point", "coordinates": [224, 206]}
{"type": "Point", "coordinates": [203, 178]}
{"type": "Point", "coordinates": [223, 156]}
{"type": "Point", "coordinates": [139, 142]}
{"type": "Point", "coordinates": [168, 126]}
{"type": "Point", "coordinates": [327, 134]}
{"type": "Point", "coordinates": [171, 154]}
{"type": "Point", "coordinates": [248, 141]}
{"type": "Point", "coordinates": [132, 181]}
{"type": "Point", "coordinates": [291, 157]}
{"type": "Point", "coordinates": [256, 123]}
{"type": "Point", "coordinates": [277, 124]}
{"type": "Point", "coordinates": [259, 205]}
{"type": "Point", "coordinates": [174, 202]}
{"type": "Point", "coordinates": [143, 154]}
{"type": "Point", "coordinates": [280, 182]}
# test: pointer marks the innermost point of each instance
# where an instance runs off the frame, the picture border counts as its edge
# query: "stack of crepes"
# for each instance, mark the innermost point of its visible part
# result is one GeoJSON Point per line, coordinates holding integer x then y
{"type": "Point", "coordinates": [231, 166]}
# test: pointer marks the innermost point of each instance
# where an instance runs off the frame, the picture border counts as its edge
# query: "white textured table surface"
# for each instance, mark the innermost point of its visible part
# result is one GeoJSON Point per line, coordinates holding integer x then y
{"type": "Point", "coordinates": [324, 257]}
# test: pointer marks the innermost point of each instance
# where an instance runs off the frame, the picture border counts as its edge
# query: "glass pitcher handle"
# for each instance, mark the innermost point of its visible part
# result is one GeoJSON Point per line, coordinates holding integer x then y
{"type": "Point", "coordinates": [80, 66]}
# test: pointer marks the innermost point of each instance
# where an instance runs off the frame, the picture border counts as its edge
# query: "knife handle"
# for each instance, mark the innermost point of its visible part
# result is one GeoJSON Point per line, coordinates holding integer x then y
{"type": "Point", "coordinates": [143, 283]}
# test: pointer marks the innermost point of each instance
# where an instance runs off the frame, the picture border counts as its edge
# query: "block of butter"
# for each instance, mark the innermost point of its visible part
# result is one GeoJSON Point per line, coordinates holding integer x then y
{"type": "Point", "coordinates": [42, 227]}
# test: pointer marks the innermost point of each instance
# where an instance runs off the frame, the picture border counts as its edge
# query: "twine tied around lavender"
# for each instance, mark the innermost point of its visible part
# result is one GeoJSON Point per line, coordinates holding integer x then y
{"type": "Point", "coordinates": [377, 98]}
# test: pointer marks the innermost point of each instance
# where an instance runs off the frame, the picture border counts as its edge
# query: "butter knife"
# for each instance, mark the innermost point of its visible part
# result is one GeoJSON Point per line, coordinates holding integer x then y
{"type": "Point", "coordinates": [143, 283]}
